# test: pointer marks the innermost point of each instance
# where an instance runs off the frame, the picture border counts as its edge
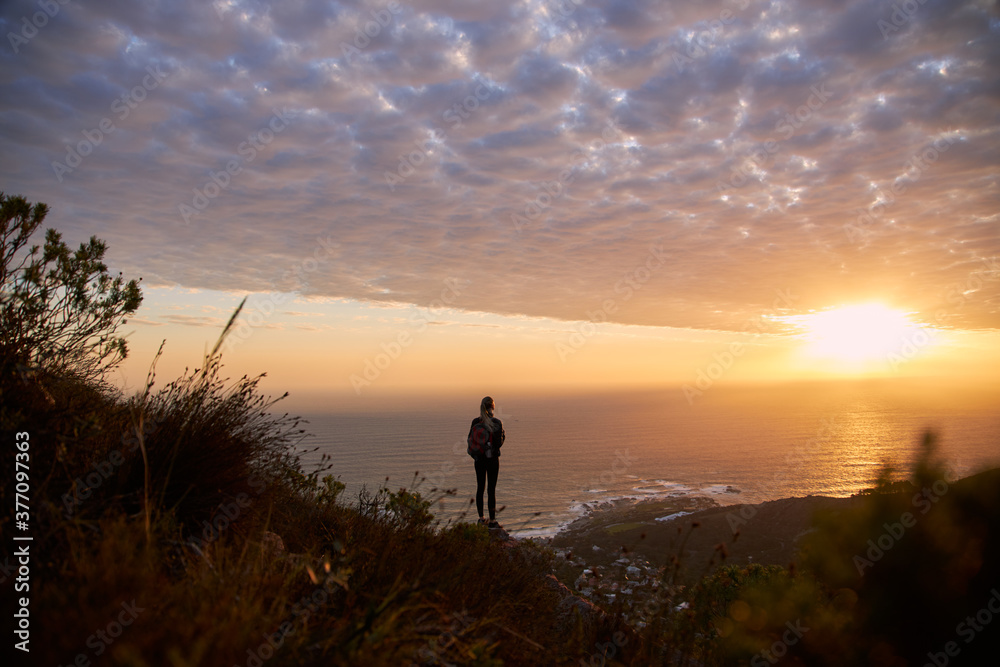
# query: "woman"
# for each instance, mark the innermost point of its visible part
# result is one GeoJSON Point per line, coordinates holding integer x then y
{"type": "Point", "coordinates": [486, 436]}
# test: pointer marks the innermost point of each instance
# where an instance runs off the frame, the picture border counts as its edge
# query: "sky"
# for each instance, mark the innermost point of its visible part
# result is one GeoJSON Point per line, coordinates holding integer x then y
{"type": "Point", "coordinates": [478, 197]}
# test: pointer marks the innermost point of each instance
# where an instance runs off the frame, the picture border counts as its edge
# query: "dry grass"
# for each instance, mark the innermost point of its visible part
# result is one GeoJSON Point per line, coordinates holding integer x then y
{"type": "Point", "coordinates": [123, 489]}
{"type": "Point", "coordinates": [129, 486]}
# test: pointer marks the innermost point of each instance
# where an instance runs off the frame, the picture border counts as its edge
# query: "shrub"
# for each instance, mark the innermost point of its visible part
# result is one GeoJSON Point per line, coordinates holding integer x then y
{"type": "Point", "coordinates": [918, 562]}
{"type": "Point", "coordinates": [409, 509]}
{"type": "Point", "coordinates": [60, 308]}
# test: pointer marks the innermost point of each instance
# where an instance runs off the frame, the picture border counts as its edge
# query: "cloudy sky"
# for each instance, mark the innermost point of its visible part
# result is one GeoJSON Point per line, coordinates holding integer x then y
{"type": "Point", "coordinates": [486, 178]}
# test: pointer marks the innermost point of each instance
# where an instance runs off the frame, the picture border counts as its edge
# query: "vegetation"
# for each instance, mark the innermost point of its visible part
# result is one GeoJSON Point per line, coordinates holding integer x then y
{"type": "Point", "coordinates": [179, 527]}
{"type": "Point", "coordinates": [60, 308]}
{"type": "Point", "coordinates": [187, 510]}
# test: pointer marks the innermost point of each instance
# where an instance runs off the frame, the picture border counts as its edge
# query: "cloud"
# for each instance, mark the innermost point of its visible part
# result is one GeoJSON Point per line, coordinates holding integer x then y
{"type": "Point", "coordinates": [144, 322]}
{"type": "Point", "coordinates": [742, 140]}
{"type": "Point", "coordinates": [194, 320]}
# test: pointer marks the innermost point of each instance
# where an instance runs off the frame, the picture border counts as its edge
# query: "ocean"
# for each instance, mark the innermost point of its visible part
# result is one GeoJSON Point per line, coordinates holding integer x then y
{"type": "Point", "coordinates": [565, 454]}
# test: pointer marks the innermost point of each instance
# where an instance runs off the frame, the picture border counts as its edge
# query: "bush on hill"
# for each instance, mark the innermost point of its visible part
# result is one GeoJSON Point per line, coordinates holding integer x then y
{"type": "Point", "coordinates": [60, 308]}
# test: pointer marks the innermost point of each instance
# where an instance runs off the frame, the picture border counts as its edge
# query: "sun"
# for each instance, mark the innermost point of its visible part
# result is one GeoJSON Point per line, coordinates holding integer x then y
{"type": "Point", "coordinates": [856, 335]}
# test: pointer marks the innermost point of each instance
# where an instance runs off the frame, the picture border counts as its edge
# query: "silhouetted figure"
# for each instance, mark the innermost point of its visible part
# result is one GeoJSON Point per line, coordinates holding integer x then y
{"type": "Point", "coordinates": [486, 436]}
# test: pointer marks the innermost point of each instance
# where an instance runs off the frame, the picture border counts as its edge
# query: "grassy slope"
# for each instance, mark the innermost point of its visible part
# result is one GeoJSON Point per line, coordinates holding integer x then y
{"type": "Point", "coordinates": [377, 582]}
{"type": "Point", "coordinates": [372, 582]}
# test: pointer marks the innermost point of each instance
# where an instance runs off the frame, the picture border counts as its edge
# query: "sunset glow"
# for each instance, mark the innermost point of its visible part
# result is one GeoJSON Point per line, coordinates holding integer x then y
{"type": "Point", "coordinates": [618, 194]}
{"type": "Point", "coordinates": [725, 265]}
{"type": "Point", "coordinates": [857, 334]}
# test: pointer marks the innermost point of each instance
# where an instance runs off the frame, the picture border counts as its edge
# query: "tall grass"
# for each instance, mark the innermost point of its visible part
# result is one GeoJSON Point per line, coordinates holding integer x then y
{"type": "Point", "coordinates": [189, 505]}
{"type": "Point", "coordinates": [177, 498]}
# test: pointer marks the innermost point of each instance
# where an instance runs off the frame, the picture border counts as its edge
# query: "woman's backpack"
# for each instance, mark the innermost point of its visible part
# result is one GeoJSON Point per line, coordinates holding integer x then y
{"type": "Point", "coordinates": [480, 442]}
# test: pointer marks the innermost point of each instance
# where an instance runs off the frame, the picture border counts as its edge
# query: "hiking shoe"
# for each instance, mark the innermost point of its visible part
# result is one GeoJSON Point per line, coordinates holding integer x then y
{"type": "Point", "coordinates": [493, 523]}
{"type": "Point", "coordinates": [483, 521]}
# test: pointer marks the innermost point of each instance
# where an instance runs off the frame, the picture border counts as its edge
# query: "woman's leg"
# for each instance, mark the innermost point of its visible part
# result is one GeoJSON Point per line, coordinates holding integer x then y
{"type": "Point", "coordinates": [493, 469]}
{"type": "Point", "coordinates": [480, 485]}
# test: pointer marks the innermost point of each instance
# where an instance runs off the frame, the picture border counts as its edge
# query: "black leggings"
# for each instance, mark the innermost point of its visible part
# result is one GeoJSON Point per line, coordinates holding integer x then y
{"type": "Point", "coordinates": [487, 468]}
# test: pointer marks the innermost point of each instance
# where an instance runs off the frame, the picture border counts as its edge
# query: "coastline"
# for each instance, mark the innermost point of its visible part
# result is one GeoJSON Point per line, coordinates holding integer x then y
{"type": "Point", "coordinates": [631, 558]}
{"type": "Point", "coordinates": [647, 535]}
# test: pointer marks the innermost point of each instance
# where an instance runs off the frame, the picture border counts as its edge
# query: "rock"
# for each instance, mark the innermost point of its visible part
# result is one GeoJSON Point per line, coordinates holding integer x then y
{"type": "Point", "coordinates": [571, 606]}
{"type": "Point", "coordinates": [272, 545]}
{"type": "Point", "coordinates": [499, 534]}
